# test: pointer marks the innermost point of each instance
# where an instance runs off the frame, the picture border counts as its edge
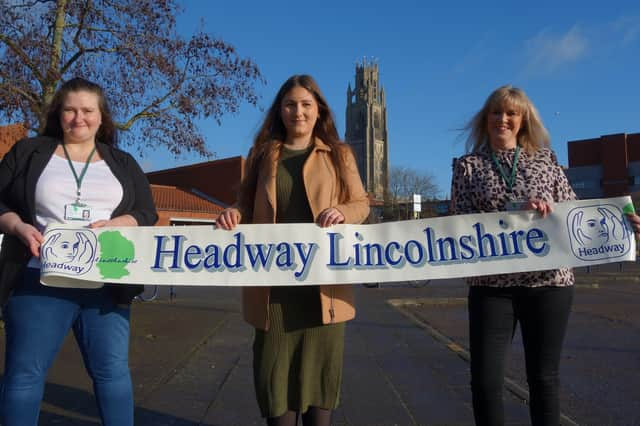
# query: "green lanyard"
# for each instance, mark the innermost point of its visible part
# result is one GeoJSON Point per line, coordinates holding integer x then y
{"type": "Point", "coordinates": [82, 173]}
{"type": "Point", "coordinates": [510, 181]}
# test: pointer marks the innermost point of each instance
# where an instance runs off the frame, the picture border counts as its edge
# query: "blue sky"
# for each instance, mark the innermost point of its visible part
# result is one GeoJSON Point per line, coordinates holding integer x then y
{"type": "Point", "coordinates": [438, 62]}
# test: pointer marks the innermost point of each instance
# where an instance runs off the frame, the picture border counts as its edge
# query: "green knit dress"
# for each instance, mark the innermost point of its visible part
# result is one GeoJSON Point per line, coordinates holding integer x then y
{"type": "Point", "coordinates": [297, 363]}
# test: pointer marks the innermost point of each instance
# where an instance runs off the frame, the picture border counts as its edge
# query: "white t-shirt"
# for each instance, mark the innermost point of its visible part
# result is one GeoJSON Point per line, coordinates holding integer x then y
{"type": "Point", "coordinates": [56, 188]}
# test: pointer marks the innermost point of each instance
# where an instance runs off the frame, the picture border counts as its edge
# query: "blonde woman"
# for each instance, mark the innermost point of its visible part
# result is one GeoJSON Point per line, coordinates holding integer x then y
{"type": "Point", "coordinates": [510, 166]}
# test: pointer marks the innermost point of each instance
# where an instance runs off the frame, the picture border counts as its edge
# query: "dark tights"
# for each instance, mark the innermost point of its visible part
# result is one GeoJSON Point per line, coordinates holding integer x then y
{"type": "Point", "coordinates": [314, 416]}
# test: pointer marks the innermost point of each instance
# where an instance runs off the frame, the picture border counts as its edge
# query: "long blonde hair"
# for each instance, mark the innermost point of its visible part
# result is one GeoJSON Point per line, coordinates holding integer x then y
{"type": "Point", "coordinates": [532, 135]}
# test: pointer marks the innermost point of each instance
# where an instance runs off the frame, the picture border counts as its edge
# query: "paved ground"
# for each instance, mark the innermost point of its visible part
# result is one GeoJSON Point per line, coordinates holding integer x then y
{"type": "Point", "coordinates": [404, 363]}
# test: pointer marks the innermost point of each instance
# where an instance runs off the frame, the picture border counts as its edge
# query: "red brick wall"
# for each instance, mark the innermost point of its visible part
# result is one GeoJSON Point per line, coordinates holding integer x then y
{"type": "Point", "coordinates": [633, 147]}
{"type": "Point", "coordinates": [615, 178]}
{"type": "Point", "coordinates": [218, 179]}
{"type": "Point", "coordinates": [9, 135]}
{"type": "Point", "coordinates": [585, 152]}
{"type": "Point", "coordinates": [613, 153]}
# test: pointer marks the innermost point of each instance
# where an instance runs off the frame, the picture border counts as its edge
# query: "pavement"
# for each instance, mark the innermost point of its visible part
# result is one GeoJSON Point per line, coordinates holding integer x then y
{"type": "Point", "coordinates": [405, 361]}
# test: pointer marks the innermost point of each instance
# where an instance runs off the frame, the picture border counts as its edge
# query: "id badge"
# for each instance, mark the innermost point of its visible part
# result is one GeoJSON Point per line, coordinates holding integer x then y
{"type": "Point", "coordinates": [515, 204]}
{"type": "Point", "coordinates": [77, 211]}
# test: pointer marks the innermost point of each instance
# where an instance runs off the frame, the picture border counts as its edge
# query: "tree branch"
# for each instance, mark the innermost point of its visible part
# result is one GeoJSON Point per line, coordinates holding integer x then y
{"type": "Point", "coordinates": [76, 38]}
{"type": "Point", "coordinates": [30, 96]}
{"type": "Point", "coordinates": [76, 56]}
{"type": "Point", "coordinates": [31, 4]}
{"type": "Point", "coordinates": [26, 60]}
{"type": "Point", "coordinates": [144, 113]}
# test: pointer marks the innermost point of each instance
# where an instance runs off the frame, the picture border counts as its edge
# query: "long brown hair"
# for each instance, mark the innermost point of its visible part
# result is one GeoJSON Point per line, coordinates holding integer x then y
{"type": "Point", "coordinates": [107, 131]}
{"type": "Point", "coordinates": [532, 135]}
{"type": "Point", "coordinates": [272, 133]}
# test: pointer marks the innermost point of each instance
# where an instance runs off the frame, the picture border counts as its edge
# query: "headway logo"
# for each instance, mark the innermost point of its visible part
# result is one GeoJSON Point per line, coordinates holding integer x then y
{"type": "Point", "coordinates": [598, 232]}
{"type": "Point", "coordinates": [69, 251]}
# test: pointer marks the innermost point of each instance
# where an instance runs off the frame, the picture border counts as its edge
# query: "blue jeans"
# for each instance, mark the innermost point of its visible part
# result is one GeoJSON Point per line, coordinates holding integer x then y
{"type": "Point", "coordinates": [543, 314]}
{"type": "Point", "coordinates": [37, 319]}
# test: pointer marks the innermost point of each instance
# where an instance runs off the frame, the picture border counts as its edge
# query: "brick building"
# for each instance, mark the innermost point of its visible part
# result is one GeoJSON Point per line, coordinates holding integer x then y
{"type": "Point", "coordinates": [607, 166]}
{"type": "Point", "coordinates": [216, 180]}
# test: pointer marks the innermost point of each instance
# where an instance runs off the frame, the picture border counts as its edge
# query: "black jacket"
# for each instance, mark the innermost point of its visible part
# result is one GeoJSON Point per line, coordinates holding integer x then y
{"type": "Point", "coordinates": [19, 172]}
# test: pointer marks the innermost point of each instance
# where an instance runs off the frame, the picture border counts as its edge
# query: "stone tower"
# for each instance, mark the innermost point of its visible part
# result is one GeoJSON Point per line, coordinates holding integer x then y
{"type": "Point", "coordinates": [366, 129]}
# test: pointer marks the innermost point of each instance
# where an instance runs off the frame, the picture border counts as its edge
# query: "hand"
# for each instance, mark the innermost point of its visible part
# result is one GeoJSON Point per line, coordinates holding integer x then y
{"type": "Point", "coordinates": [30, 237]}
{"type": "Point", "coordinates": [124, 220]}
{"type": "Point", "coordinates": [330, 216]}
{"type": "Point", "coordinates": [229, 218]}
{"type": "Point", "coordinates": [540, 206]}
{"type": "Point", "coordinates": [634, 221]}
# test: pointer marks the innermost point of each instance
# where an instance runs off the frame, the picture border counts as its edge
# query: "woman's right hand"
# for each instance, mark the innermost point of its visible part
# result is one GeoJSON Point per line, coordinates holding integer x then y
{"type": "Point", "coordinates": [229, 218]}
{"type": "Point", "coordinates": [30, 237]}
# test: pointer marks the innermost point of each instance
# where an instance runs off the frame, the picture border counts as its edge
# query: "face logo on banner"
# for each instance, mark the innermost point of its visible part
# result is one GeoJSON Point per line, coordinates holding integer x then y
{"type": "Point", "coordinates": [598, 232]}
{"type": "Point", "coordinates": [69, 251]}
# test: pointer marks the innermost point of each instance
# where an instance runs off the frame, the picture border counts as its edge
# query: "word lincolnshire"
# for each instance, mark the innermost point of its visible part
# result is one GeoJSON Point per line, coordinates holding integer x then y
{"type": "Point", "coordinates": [173, 252]}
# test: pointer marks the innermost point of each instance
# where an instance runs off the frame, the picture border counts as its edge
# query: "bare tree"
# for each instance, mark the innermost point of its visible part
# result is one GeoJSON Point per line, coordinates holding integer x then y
{"type": "Point", "coordinates": [158, 82]}
{"type": "Point", "coordinates": [403, 183]}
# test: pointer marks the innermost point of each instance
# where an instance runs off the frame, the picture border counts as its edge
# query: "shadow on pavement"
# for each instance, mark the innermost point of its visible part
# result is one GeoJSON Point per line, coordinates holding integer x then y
{"type": "Point", "coordinates": [66, 406]}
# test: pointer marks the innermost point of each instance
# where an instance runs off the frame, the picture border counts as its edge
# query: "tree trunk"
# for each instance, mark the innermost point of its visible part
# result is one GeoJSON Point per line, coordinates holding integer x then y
{"type": "Point", "coordinates": [52, 76]}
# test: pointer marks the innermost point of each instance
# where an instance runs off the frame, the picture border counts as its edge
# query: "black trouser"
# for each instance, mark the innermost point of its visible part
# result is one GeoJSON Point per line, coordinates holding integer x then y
{"type": "Point", "coordinates": [543, 313]}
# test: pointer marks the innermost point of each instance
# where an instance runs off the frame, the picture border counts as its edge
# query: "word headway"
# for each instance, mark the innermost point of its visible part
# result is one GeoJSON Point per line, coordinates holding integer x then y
{"type": "Point", "coordinates": [175, 252]}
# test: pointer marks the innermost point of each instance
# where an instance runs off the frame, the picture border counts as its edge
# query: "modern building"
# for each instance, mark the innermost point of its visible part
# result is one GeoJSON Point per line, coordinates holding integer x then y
{"type": "Point", "coordinates": [366, 129]}
{"type": "Point", "coordinates": [607, 166]}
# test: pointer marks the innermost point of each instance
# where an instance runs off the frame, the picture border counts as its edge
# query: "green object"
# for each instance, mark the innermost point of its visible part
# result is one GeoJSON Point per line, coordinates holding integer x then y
{"type": "Point", "coordinates": [509, 180]}
{"type": "Point", "coordinates": [116, 252]}
{"type": "Point", "coordinates": [298, 362]}
{"type": "Point", "coordinates": [82, 173]}
{"type": "Point", "coordinates": [629, 209]}
{"type": "Point", "coordinates": [291, 195]}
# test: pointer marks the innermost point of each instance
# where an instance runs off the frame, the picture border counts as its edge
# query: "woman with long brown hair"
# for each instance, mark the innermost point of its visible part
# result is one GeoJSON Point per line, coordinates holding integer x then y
{"type": "Point", "coordinates": [298, 171]}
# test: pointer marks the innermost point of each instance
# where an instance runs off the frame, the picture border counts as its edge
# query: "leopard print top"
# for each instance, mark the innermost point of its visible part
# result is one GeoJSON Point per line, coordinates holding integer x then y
{"type": "Point", "coordinates": [478, 187]}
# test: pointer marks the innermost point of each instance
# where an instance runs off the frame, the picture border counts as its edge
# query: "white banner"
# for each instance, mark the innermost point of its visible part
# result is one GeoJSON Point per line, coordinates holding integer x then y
{"type": "Point", "coordinates": [577, 233]}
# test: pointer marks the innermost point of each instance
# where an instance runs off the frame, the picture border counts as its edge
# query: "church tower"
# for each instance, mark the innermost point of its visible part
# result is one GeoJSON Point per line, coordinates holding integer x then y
{"type": "Point", "coordinates": [366, 129]}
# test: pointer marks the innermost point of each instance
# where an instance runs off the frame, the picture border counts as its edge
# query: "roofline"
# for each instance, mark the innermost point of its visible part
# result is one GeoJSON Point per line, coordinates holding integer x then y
{"type": "Point", "coordinates": [194, 166]}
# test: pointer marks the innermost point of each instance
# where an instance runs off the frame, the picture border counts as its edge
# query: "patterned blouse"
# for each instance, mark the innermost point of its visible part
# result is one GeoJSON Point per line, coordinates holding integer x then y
{"type": "Point", "coordinates": [478, 187]}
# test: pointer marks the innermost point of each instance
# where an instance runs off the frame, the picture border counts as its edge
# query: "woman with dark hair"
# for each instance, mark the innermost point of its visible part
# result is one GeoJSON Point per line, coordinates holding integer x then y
{"type": "Point", "coordinates": [298, 171]}
{"type": "Point", "coordinates": [73, 173]}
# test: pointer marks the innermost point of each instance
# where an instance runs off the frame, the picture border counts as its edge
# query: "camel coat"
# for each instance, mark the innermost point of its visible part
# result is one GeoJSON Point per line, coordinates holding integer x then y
{"type": "Point", "coordinates": [322, 192]}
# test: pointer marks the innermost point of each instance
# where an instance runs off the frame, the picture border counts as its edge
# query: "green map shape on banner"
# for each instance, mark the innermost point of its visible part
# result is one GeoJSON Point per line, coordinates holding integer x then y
{"type": "Point", "coordinates": [116, 252]}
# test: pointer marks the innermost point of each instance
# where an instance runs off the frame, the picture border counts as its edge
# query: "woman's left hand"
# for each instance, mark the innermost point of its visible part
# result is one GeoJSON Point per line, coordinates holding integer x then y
{"type": "Point", "coordinates": [124, 220]}
{"type": "Point", "coordinates": [540, 206]}
{"type": "Point", "coordinates": [330, 216]}
{"type": "Point", "coordinates": [634, 221]}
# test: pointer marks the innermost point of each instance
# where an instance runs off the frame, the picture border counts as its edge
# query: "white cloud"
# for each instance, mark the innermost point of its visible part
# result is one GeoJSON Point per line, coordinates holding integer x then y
{"type": "Point", "coordinates": [628, 27]}
{"type": "Point", "coordinates": [547, 52]}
